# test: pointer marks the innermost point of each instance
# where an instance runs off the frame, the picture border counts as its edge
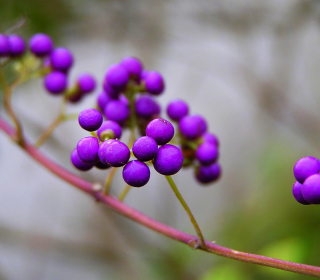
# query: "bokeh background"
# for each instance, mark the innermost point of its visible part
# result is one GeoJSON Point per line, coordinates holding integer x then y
{"type": "Point", "coordinates": [250, 67]}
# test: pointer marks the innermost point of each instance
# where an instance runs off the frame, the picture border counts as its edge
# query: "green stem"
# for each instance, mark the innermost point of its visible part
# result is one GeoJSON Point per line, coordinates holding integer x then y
{"type": "Point", "coordinates": [187, 209]}
{"type": "Point", "coordinates": [109, 180]}
{"type": "Point", "coordinates": [124, 192]}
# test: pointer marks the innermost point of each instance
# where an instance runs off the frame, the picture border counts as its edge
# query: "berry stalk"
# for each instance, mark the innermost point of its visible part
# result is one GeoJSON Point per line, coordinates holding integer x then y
{"type": "Point", "coordinates": [124, 193]}
{"type": "Point", "coordinates": [148, 222]}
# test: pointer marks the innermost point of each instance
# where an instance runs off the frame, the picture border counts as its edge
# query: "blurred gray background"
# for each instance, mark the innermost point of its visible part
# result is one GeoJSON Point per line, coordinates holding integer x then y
{"type": "Point", "coordinates": [250, 67]}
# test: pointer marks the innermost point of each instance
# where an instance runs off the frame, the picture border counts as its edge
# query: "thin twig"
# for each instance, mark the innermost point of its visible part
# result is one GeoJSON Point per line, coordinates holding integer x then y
{"type": "Point", "coordinates": [109, 180]}
{"type": "Point", "coordinates": [124, 193]}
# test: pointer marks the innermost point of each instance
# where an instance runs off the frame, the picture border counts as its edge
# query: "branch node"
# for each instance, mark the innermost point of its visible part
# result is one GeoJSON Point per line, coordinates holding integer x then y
{"type": "Point", "coordinates": [194, 244]}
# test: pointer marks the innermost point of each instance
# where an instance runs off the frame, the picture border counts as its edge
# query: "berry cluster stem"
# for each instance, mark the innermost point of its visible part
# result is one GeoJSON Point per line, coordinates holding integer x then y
{"type": "Point", "coordinates": [187, 209]}
{"type": "Point", "coordinates": [124, 193]}
{"type": "Point", "coordinates": [109, 180]}
{"type": "Point", "coordinates": [152, 224]}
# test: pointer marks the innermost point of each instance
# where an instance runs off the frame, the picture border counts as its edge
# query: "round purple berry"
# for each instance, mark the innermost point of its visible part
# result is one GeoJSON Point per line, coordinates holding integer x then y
{"type": "Point", "coordinates": [111, 92]}
{"type": "Point", "coordinates": [87, 149]}
{"type": "Point", "coordinates": [110, 125]}
{"type": "Point", "coordinates": [208, 174]}
{"type": "Point", "coordinates": [114, 153]}
{"type": "Point", "coordinates": [133, 65]}
{"type": "Point", "coordinates": [4, 45]}
{"type": "Point", "coordinates": [117, 77]}
{"type": "Point", "coordinates": [41, 44]}
{"type": "Point", "coordinates": [191, 127]}
{"type": "Point", "coordinates": [145, 148]}
{"type": "Point", "coordinates": [168, 160]}
{"type": "Point", "coordinates": [136, 173]}
{"type": "Point", "coordinates": [102, 100]}
{"type": "Point", "coordinates": [86, 83]}
{"type": "Point", "coordinates": [154, 83]}
{"type": "Point", "coordinates": [311, 189]}
{"type": "Point", "coordinates": [210, 138]}
{"type": "Point", "coordinates": [146, 106]}
{"type": "Point", "coordinates": [101, 165]}
{"type": "Point", "coordinates": [55, 82]}
{"type": "Point", "coordinates": [297, 193]}
{"type": "Point", "coordinates": [207, 153]}
{"type": "Point", "coordinates": [305, 167]}
{"type": "Point", "coordinates": [160, 130]}
{"type": "Point", "coordinates": [78, 163]}
{"type": "Point", "coordinates": [177, 109]}
{"type": "Point", "coordinates": [90, 119]}
{"type": "Point", "coordinates": [17, 45]}
{"type": "Point", "coordinates": [117, 111]}
{"type": "Point", "coordinates": [124, 100]}
{"type": "Point", "coordinates": [61, 59]}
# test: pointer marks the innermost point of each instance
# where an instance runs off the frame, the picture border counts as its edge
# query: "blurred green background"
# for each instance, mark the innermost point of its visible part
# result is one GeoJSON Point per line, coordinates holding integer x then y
{"type": "Point", "coordinates": [250, 67]}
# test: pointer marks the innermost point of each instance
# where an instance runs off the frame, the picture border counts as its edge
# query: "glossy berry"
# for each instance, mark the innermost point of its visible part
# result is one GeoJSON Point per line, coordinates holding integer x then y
{"type": "Point", "coordinates": [311, 189]}
{"type": "Point", "coordinates": [305, 167]}
{"type": "Point", "coordinates": [4, 45]}
{"type": "Point", "coordinates": [86, 83]}
{"type": "Point", "coordinates": [110, 125]}
{"type": "Point", "coordinates": [297, 193]}
{"type": "Point", "coordinates": [154, 83]}
{"type": "Point", "coordinates": [102, 100]}
{"type": "Point", "coordinates": [136, 173]}
{"type": "Point", "coordinates": [41, 44]}
{"type": "Point", "coordinates": [117, 77]}
{"type": "Point", "coordinates": [191, 127]}
{"type": "Point", "coordinates": [208, 174]}
{"type": "Point", "coordinates": [202, 123]}
{"type": "Point", "coordinates": [177, 109]}
{"type": "Point", "coordinates": [78, 163]}
{"type": "Point", "coordinates": [17, 45]}
{"type": "Point", "coordinates": [168, 160]}
{"type": "Point", "coordinates": [87, 149]}
{"type": "Point", "coordinates": [61, 59]}
{"type": "Point", "coordinates": [101, 165]}
{"type": "Point", "coordinates": [210, 138]}
{"type": "Point", "coordinates": [133, 66]}
{"type": "Point", "coordinates": [90, 119]}
{"type": "Point", "coordinates": [145, 148]}
{"type": "Point", "coordinates": [146, 106]}
{"type": "Point", "coordinates": [111, 92]}
{"type": "Point", "coordinates": [55, 82]}
{"type": "Point", "coordinates": [124, 100]}
{"type": "Point", "coordinates": [117, 111]}
{"type": "Point", "coordinates": [160, 130]}
{"type": "Point", "coordinates": [207, 153]}
{"type": "Point", "coordinates": [114, 153]}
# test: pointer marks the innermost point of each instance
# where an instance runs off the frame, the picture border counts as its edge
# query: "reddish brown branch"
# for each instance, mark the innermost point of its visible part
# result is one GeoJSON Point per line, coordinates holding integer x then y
{"type": "Point", "coordinates": [144, 220]}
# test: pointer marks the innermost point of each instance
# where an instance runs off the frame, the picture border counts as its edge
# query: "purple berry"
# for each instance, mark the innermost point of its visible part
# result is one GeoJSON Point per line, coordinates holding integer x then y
{"type": "Point", "coordinates": [168, 160]}
{"type": "Point", "coordinates": [124, 100]}
{"type": "Point", "coordinates": [207, 153]}
{"type": "Point", "coordinates": [87, 149]}
{"type": "Point", "coordinates": [41, 44]}
{"type": "Point", "coordinates": [86, 83]}
{"type": "Point", "coordinates": [208, 174]}
{"type": "Point", "coordinates": [101, 165]}
{"type": "Point", "coordinates": [136, 173]}
{"type": "Point", "coordinates": [202, 123]}
{"type": "Point", "coordinates": [210, 138]}
{"type": "Point", "coordinates": [145, 148]}
{"type": "Point", "coordinates": [311, 189]}
{"type": "Point", "coordinates": [117, 77]}
{"type": "Point", "coordinates": [5, 48]}
{"type": "Point", "coordinates": [117, 111]}
{"type": "Point", "coordinates": [55, 82]}
{"type": "Point", "coordinates": [78, 163]}
{"type": "Point", "coordinates": [111, 92]}
{"type": "Point", "coordinates": [133, 65]}
{"type": "Point", "coordinates": [114, 153]}
{"type": "Point", "coordinates": [17, 45]}
{"type": "Point", "coordinates": [191, 127]}
{"type": "Point", "coordinates": [110, 125]}
{"type": "Point", "coordinates": [305, 167]}
{"type": "Point", "coordinates": [154, 83]}
{"type": "Point", "coordinates": [61, 59]}
{"type": "Point", "coordinates": [102, 100]}
{"type": "Point", "coordinates": [177, 109]}
{"type": "Point", "coordinates": [297, 193]}
{"type": "Point", "coordinates": [90, 119]}
{"type": "Point", "coordinates": [146, 106]}
{"type": "Point", "coordinates": [160, 130]}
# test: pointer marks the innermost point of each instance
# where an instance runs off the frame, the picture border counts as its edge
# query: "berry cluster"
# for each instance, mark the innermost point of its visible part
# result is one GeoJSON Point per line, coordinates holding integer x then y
{"type": "Point", "coordinates": [306, 190]}
{"type": "Point", "coordinates": [54, 64]}
{"type": "Point", "coordinates": [128, 100]}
